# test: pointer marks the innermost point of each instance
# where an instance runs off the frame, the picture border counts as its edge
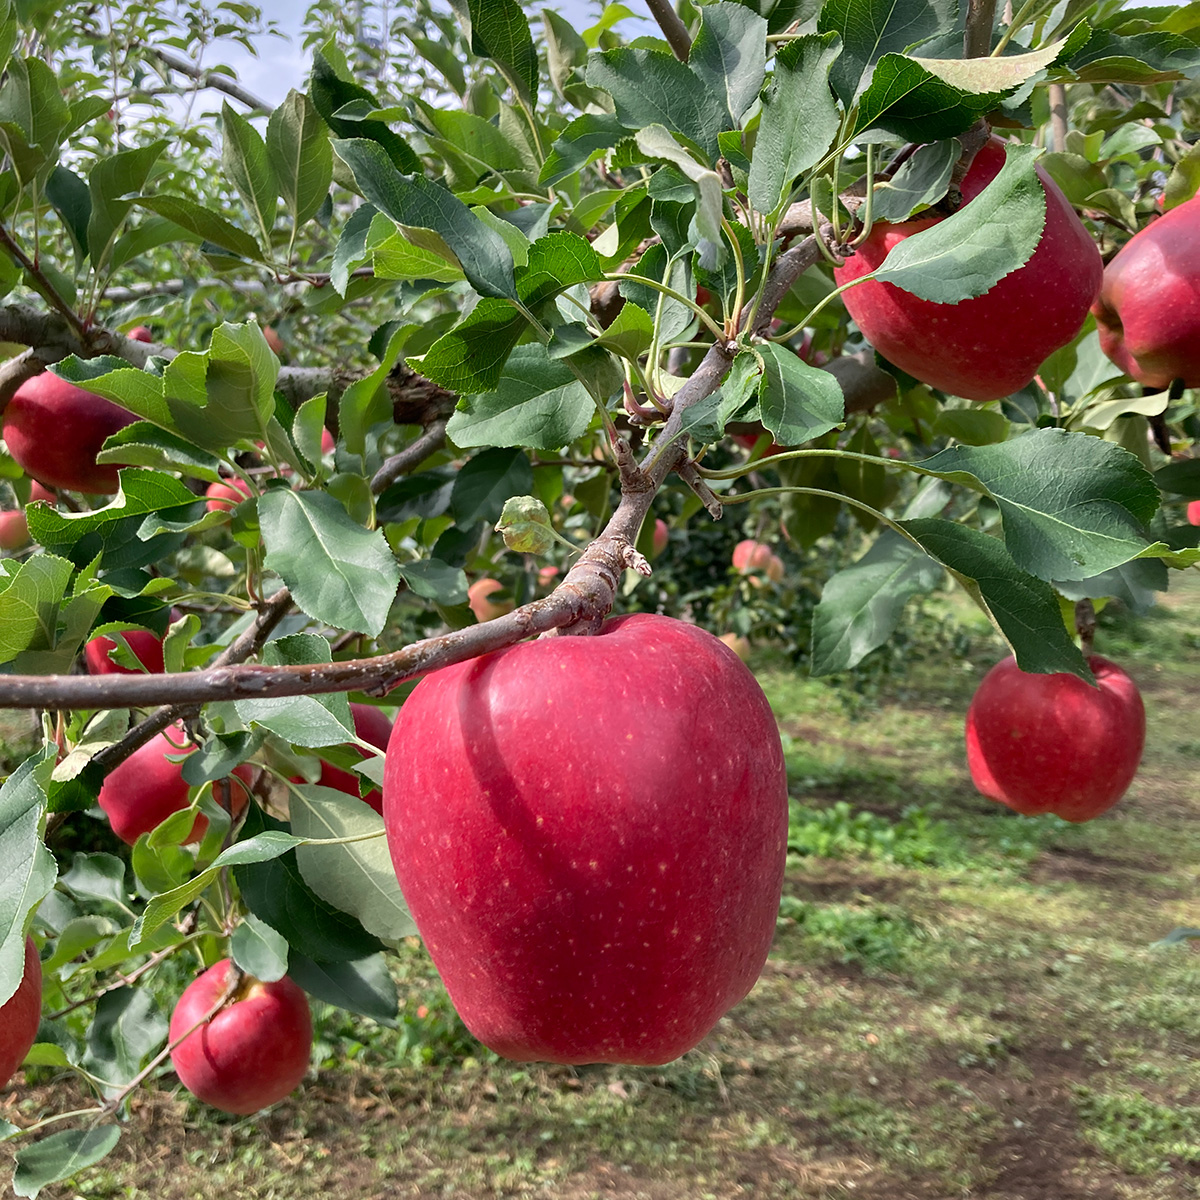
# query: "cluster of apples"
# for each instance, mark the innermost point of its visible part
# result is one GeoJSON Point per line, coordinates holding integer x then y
{"type": "Point", "coordinates": [757, 558]}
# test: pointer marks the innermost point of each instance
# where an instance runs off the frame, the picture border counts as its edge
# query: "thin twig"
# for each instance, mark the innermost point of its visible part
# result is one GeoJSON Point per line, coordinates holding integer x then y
{"type": "Point", "coordinates": [209, 79]}
{"type": "Point", "coordinates": [977, 38]}
{"type": "Point", "coordinates": [402, 462]}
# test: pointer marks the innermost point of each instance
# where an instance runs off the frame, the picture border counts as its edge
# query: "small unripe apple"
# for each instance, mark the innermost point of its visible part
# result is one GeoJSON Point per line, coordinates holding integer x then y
{"type": "Point", "coordinates": [1148, 313]}
{"type": "Point", "coordinates": [140, 333]}
{"type": "Point", "coordinates": [992, 345]}
{"type": "Point", "coordinates": [372, 725]}
{"type": "Point", "coordinates": [547, 576]}
{"type": "Point", "coordinates": [662, 535]}
{"type": "Point", "coordinates": [253, 1053]}
{"type": "Point", "coordinates": [775, 569]}
{"type": "Point", "coordinates": [226, 494]}
{"type": "Point", "coordinates": [19, 1016]}
{"type": "Point", "coordinates": [590, 833]}
{"type": "Point", "coordinates": [14, 525]}
{"type": "Point", "coordinates": [1053, 743]}
{"type": "Point", "coordinates": [483, 608]}
{"type": "Point", "coordinates": [1193, 512]}
{"type": "Point", "coordinates": [750, 556]}
{"type": "Point", "coordinates": [54, 430]}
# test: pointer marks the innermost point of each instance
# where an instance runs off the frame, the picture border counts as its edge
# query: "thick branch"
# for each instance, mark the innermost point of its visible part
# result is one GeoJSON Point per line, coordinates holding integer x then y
{"type": "Point", "coordinates": [977, 39]}
{"type": "Point", "coordinates": [672, 27]}
{"type": "Point", "coordinates": [209, 79]}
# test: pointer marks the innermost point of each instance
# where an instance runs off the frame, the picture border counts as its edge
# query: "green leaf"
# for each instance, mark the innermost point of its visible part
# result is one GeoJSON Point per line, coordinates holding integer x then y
{"type": "Point", "coordinates": [269, 844]}
{"type": "Point", "coordinates": [1184, 180]}
{"type": "Point", "coordinates": [797, 402]}
{"type": "Point", "coordinates": [357, 877]}
{"type": "Point", "coordinates": [655, 141]}
{"type": "Point", "coordinates": [799, 119]}
{"type": "Point", "coordinates": [1134, 583]}
{"type": "Point", "coordinates": [432, 579]}
{"type": "Point", "coordinates": [147, 235]}
{"type": "Point", "coordinates": [259, 950]}
{"type": "Point", "coordinates": [275, 892]}
{"type": "Point", "coordinates": [366, 401]}
{"type": "Point", "coordinates": [27, 868]}
{"type": "Point", "coordinates": [870, 29]}
{"type": "Point", "coordinates": [500, 32]}
{"type": "Point", "coordinates": [30, 599]}
{"type": "Point", "coordinates": [300, 155]}
{"type": "Point", "coordinates": [203, 222]}
{"type": "Point", "coordinates": [538, 403]}
{"type": "Point", "coordinates": [921, 180]}
{"type": "Point", "coordinates": [398, 258]}
{"type": "Point", "coordinates": [245, 163]}
{"type": "Point", "coordinates": [485, 482]}
{"type": "Point", "coordinates": [142, 444]}
{"type": "Point", "coordinates": [861, 605]}
{"type": "Point", "coordinates": [320, 720]}
{"type": "Point", "coordinates": [126, 1028]}
{"type": "Point", "coordinates": [584, 139]}
{"type": "Point", "coordinates": [729, 55]}
{"type": "Point", "coordinates": [969, 252]}
{"type": "Point", "coordinates": [114, 177]}
{"type": "Point", "coordinates": [362, 986]}
{"type": "Point", "coordinates": [73, 202]}
{"type": "Point", "coordinates": [974, 426]}
{"type": "Point", "coordinates": [556, 261]}
{"type": "Point", "coordinates": [338, 572]}
{"type": "Point", "coordinates": [631, 333]}
{"type": "Point", "coordinates": [60, 1156]}
{"type": "Point", "coordinates": [1072, 505]}
{"type": "Point", "coordinates": [330, 92]}
{"type": "Point", "coordinates": [1180, 478]}
{"type": "Point", "coordinates": [32, 100]}
{"type": "Point", "coordinates": [650, 87]}
{"type": "Point", "coordinates": [353, 246]}
{"type": "Point", "coordinates": [417, 203]}
{"type": "Point", "coordinates": [1142, 58]}
{"type": "Point", "coordinates": [471, 357]}
{"type": "Point", "coordinates": [1023, 608]}
{"type": "Point", "coordinates": [909, 99]}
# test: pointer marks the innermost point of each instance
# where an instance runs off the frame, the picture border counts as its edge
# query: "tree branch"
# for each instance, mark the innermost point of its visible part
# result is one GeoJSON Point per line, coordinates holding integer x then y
{"type": "Point", "coordinates": [209, 79]}
{"type": "Point", "coordinates": [434, 438]}
{"type": "Point", "coordinates": [672, 27]}
{"type": "Point", "coordinates": [977, 38]}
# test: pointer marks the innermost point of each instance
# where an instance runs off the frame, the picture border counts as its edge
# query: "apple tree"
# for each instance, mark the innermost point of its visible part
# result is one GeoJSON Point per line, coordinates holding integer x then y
{"type": "Point", "coordinates": [500, 299]}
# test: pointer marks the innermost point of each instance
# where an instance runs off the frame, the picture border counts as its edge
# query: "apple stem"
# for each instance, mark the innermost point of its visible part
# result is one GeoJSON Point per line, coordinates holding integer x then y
{"type": "Point", "coordinates": [1085, 625]}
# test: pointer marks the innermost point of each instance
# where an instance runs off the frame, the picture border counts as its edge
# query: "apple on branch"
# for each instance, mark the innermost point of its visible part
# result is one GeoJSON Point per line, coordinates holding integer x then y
{"type": "Point", "coordinates": [253, 1052]}
{"type": "Point", "coordinates": [590, 834]}
{"type": "Point", "coordinates": [1053, 743]}
{"type": "Point", "coordinates": [992, 345]}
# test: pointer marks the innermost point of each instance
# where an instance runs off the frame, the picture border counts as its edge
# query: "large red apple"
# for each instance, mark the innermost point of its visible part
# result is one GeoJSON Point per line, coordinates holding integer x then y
{"type": "Point", "coordinates": [55, 430]}
{"type": "Point", "coordinates": [19, 1016]}
{"type": "Point", "coordinates": [590, 833]}
{"type": "Point", "coordinates": [253, 1053]}
{"type": "Point", "coordinates": [227, 494]}
{"type": "Point", "coordinates": [990, 346]}
{"type": "Point", "coordinates": [1054, 744]}
{"type": "Point", "coordinates": [372, 725]}
{"type": "Point", "coordinates": [1148, 313]}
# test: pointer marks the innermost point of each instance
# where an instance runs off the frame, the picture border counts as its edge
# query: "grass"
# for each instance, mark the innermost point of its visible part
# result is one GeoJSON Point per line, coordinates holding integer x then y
{"type": "Point", "coordinates": [960, 1002]}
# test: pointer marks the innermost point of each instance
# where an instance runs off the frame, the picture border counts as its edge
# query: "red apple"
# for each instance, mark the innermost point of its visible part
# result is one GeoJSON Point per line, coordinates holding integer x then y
{"type": "Point", "coordinates": [590, 833]}
{"type": "Point", "coordinates": [372, 725]}
{"type": "Point", "coordinates": [54, 430]}
{"type": "Point", "coordinates": [775, 569]}
{"type": "Point", "coordinates": [749, 556]}
{"type": "Point", "coordinates": [990, 346]}
{"type": "Point", "coordinates": [14, 529]}
{"type": "Point", "coordinates": [253, 1053]}
{"type": "Point", "coordinates": [273, 340]}
{"type": "Point", "coordinates": [327, 442]}
{"type": "Point", "coordinates": [483, 608]}
{"type": "Point", "coordinates": [143, 791]}
{"type": "Point", "coordinates": [738, 644]}
{"type": "Point", "coordinates": [226, 494]}
{"type": "Point", "coordinates": [1052, 743]}
{"type": "Point", "coordinates": [140, 333]}
{"type": "Point", "coordinates": [19, 1016]}
{"type": "Point", "coordinates": [1148, 314]}
{"type": "Point", "coordinates": [147, 648]}
{"type": "Point", "coordinates": [1193, 512]}
{"type": "Point", "coordinates": [547, 576]}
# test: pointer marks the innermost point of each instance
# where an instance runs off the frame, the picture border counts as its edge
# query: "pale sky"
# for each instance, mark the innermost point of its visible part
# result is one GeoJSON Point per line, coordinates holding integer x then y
{"type": "Point", "coordinates": [281, 64]}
